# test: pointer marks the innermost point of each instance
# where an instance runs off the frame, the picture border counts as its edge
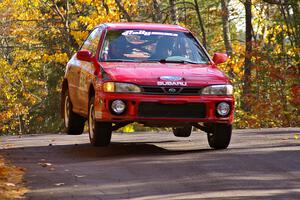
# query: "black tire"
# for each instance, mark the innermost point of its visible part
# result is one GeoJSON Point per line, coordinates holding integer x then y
{"type": "Point", "coordinates": [182, 132]}
{"type": "Point", "coordinates": [220, 136]}
{"type": "Point", "coordinates": [99, 132]}
{"type": "Point", "coordinates": [74, 123]}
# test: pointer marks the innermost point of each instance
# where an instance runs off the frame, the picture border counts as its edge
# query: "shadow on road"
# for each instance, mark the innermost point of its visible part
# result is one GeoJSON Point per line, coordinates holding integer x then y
{"type": "Point", "coordinates": [86, 152]}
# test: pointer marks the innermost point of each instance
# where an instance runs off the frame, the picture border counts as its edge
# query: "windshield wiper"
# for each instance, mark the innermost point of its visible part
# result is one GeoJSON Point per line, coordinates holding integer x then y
{"type": "Point", "coordinates": [176, 61]}
{"type": "Point", "coordinates": [154, 60]}
{"type": "Point", "coordinates": [120, 60]}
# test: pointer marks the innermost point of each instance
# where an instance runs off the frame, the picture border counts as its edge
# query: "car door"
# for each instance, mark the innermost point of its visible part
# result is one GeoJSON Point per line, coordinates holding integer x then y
{"type": "Point", "coordinates": [87, 70]}
{"type": "Point", "coordinates": [72, 75]}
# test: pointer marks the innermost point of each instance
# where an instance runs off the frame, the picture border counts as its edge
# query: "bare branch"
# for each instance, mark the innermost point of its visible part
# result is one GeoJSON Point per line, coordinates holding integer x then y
{"type": "Point", "coordinates": [123, 10]}
{"type": "Point", "coordinates": [278, 2]}
{"type": "Point", "coordinates": [105, 6]}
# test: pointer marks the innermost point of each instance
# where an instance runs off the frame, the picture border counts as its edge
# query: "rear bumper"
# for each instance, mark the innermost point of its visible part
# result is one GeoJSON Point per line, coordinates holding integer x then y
{"type": "Point", "coordinates": [165, 108]}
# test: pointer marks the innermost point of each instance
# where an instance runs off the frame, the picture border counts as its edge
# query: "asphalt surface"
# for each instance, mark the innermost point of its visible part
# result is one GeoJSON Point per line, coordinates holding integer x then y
{"type": "Point", "coordinates": [259, 164]}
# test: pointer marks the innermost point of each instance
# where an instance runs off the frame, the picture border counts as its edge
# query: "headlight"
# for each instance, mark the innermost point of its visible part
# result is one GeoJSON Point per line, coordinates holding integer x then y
{"type": "Point", "coordinates": [120, 87]}
{"type": "Point", "coordinates": [218, 90]}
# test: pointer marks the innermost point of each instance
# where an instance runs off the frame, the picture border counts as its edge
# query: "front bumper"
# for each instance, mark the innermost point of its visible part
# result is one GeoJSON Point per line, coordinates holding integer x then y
{"type": "Point", "coordinates": [181, 108]}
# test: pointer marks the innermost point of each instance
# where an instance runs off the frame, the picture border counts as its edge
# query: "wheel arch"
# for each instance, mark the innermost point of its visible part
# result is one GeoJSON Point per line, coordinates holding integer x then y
{"type": "Point", "coordinates": [64, 87]}
{"type": "Point", "coordinates": [91, 91]}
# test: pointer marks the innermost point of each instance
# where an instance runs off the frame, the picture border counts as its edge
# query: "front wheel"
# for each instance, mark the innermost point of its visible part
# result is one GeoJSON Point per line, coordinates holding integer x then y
{"type": "Point", "coordinates": [220, 135]}
{"type": "Point", "coordinates": [99, 132]}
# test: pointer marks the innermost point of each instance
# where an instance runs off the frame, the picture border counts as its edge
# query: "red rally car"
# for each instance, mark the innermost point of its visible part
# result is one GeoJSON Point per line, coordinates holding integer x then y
{"type": "Point", "coordinates": [154, 74]}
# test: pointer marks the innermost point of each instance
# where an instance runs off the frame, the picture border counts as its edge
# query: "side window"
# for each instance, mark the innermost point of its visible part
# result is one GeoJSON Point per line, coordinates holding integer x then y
{"type": "Point", "coordinates": [91, 43]}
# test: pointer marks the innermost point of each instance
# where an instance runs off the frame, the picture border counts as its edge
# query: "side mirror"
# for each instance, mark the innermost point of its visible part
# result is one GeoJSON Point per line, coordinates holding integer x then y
{"type": "Point", "coordinates": [84, 55]}
{"type": "Point", "coordinates": [220, 58]}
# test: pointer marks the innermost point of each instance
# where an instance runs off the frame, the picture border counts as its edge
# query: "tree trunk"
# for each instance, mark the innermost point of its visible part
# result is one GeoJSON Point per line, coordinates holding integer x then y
{"type": "Point", "coordinates": [157, 13]}
{"type": "Point", "coordinates": [248, 56]}
{"type": "Point", "coordinates": [173, 12]}
{"type": "Point", "coordinates": [225, 23]}
{"type": "Point", "coordinates": [296, 19]}
{"type": "Point", "coordinates": [226, 31]}
{"type": "Point", "coordinates": [200, 23]}
{"type": "Point", "coordinates": [123, 10]}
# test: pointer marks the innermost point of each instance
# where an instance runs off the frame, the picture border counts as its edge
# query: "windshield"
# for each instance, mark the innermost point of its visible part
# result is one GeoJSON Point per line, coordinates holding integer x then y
{"type": "Point", "coordinates": [151, 46]}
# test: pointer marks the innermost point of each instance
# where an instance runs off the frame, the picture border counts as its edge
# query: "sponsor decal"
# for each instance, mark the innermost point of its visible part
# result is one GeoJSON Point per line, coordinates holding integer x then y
{"type": "Point", "coordinates": [82, 81]}
{"type": "Point", "coordinates": [98, 114]}
{"type": "Point", "coordinates": [148, 33]}
{"type": "Point", "coordinates": [171, 83]}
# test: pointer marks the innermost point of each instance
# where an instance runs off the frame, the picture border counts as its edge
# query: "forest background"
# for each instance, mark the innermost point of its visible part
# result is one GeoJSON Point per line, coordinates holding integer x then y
{"type": "Point", "coordinates": [262, 38]}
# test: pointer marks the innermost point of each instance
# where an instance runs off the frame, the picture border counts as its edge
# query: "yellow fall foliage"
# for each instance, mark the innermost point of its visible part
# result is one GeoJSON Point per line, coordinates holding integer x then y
{"type": "Point", "coordinates": [44, 34]}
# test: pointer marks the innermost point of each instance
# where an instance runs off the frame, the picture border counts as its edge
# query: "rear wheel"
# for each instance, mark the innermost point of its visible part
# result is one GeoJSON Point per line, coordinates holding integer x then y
{"type": "Point", "coordinates": [220, 136]}
{"type": "Point", "coordinates": [99, 132]}
{"type": "Point", "coordinates": [74, 123]}
{"type": "Point", "coordinates": [182, 132]}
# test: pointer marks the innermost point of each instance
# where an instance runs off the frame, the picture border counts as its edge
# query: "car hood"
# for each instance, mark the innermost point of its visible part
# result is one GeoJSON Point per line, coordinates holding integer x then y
{"type": "Point", "coordinates": [151, 73]}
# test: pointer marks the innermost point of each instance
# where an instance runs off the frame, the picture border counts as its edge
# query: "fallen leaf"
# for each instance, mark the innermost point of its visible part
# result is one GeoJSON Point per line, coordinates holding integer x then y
{"type": "Point", "coordinates": [10, 184]}
{"type": "Point", "coordinates": [59, 184]}
{"type": "Point", "coordinates": [45, 164]}
{"type": "Point", "coordinates": [8, 145]}
{"type": "Point", "coordinates": [79, 176]}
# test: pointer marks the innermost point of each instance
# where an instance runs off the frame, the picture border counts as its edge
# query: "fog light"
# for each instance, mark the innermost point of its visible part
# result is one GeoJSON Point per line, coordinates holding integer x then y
{"type": "Point", "coordinates": [118, 106]}
{"type": "Point", "coordinates": [223, 109]}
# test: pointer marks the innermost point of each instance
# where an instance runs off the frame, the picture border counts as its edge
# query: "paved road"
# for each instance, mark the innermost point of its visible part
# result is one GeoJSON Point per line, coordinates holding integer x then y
{"type": "Point", "coordinates": [260, 165]}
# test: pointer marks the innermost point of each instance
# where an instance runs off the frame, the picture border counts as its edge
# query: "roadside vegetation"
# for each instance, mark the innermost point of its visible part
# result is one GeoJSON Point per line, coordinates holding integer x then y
{"type": "Point", "coordinates": [262, 38]}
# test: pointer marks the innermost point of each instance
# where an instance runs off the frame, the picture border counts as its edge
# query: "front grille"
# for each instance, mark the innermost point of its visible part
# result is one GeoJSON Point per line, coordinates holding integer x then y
{"type": "Point", "coordinates": [191, 91]}
{"type": "Point", "coordinates": [152, 90]}
{"type": "Point", "coordinates": [191, 110]}
{"type": "Point", "coordinates": [171, 90]}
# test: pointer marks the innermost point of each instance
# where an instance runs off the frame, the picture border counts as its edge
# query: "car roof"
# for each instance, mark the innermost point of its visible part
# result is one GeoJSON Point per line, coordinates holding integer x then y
{"type": "Point", "coordinates": [144, 26]}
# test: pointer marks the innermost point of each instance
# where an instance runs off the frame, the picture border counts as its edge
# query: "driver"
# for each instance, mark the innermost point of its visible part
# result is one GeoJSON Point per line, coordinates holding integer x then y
{"type": "Point", "coordinates": [117, 48]}
{"type": "Point", "coordinates": [164, 48]}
